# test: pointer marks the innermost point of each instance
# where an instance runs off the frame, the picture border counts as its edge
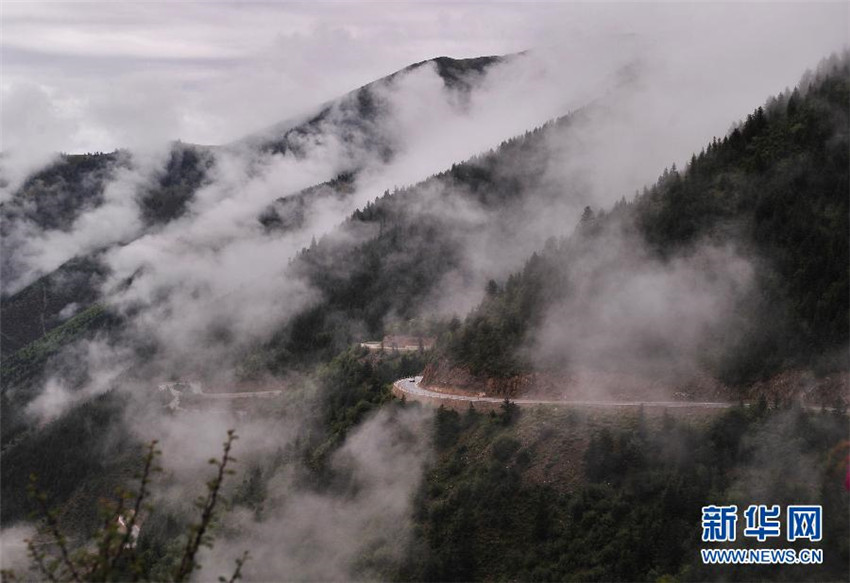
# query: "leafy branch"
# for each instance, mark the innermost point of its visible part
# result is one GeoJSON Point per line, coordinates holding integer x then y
{"type": "Point", "coordinates": [114, 556]}
{"type": "Point", "coordinates": [198, 536]}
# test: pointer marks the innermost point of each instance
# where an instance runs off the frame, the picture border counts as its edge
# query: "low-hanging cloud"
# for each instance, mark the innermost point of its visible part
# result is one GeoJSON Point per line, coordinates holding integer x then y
{"type": "Point", "coordinates": [207, 287]}
{"type": "Point", "coordinates": [216, 274]}
{"type": "Point", "coordinates": [35, 251]}
{"type": "Point", "coordinates": [212, 283]}
{"type": "Point", "coordinates": [344, 535]}
{"type": "Point", "coordinates": [631, 321]}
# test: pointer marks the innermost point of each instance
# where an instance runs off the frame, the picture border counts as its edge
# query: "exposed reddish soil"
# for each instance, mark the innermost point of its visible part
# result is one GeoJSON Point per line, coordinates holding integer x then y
{"type": "Point", "coordinates": [805, 387]}
{"type": "Point", "coordinates": [832, 390]}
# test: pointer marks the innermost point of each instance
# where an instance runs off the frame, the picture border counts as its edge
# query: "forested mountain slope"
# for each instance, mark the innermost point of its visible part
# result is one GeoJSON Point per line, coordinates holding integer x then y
{"type": "Point", "coordinates": [741, 256]}
{"type": "Point", "coordinates": [357, 115]}
{"type": "Point", "coordinates": [51, 201]}
{"type": "Point", "coordinates": [386, 261]}
{"type": "Point", "coordinates": [383, 264]}
{"type": "Point", "coordinates": [771, 195]}
{"type": "Point", "coordinates": [563, 495]}
{"type": "Point", "coordinates": [389, 261]}
{"type": "Point", "coordinates": [54, 197]}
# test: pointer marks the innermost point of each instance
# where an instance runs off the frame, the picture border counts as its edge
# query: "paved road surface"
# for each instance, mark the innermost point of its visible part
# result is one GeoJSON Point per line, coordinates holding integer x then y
{"type": "Point", "coordinates": [411, 386]}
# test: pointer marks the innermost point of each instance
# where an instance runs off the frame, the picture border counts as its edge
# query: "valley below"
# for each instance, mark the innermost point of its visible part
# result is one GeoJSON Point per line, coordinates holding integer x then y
{"type": "Point", "coordinates": [519, 315]}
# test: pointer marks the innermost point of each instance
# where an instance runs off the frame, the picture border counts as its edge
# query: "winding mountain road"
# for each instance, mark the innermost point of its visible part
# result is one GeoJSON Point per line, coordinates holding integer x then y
{"type": "Point", "coordinates": [411, 388]}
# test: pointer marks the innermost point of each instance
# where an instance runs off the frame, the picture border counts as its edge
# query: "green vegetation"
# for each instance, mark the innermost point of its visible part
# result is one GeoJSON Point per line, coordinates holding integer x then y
{"type": "Point", "coordinates": [491, 339]}
{"type": "Point", "coordinates": [78, 458]}
{"type": "Point", "coordinates": [83, 454]}
{"type": "Point", "coordinates": [38, 308]}
{"type": "Point", "coordinates": [542, 495]}
{"type": "Point", "coordinates": [783, 177]}
{"type": "Point", "coordinates": [185, 172]}
{"type": "Point", "coordinates": [352, 116]}
{"type": "Point", "coordinates": [776, 186]}
{"type": "Point", "coordinates": [54, 197]}
{"type": "Point", "coordinates": [563, 496]}
{"type": "Point", "coordinates": [355, 383]}
{"type": "Point", "coordinates": [112, 554]}
{"type": "Point", "coordinates": [22, 370]}
{"type": "Point", "coordinates": [406, 244]}
{"type": "Point", "coordinates": [21, 365]}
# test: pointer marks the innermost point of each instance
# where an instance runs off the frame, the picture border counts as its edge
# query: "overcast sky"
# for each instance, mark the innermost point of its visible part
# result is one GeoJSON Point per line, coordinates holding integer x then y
{"type": "Point", "coordinates": [94, 76]}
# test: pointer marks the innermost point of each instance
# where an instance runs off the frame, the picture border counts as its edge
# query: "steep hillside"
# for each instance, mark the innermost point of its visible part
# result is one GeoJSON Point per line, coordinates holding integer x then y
{"type": "Point", "coordinates": [389, 259]}
{"type": "Point", "coordinates": [759, 219]}
{"type": "Point", "coordinates": [383, 262]}
{"type": "Point", "coordinates": [355, 116]}
{"type": "Point", "coordinates": [559, 495]}
{"type": "Point", "coordinates": [729, 271]}
{"type": "Point", "coordinates": [52, 200]}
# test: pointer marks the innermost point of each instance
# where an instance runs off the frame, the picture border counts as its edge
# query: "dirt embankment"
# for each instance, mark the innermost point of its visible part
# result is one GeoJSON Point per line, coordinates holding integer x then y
{"type": "Point", "coordinates": [576, 385]}
{"type": "Point", "coordinates": [832, 390]}
{"type": "Point", "coordinates": [442, 377]}
{"type": "Point", "coordinates": [804, 387]}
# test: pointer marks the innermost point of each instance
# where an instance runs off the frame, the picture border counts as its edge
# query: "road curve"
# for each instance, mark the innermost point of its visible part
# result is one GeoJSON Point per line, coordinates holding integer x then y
{"type": "Point", "coordinates": [410, 387]}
